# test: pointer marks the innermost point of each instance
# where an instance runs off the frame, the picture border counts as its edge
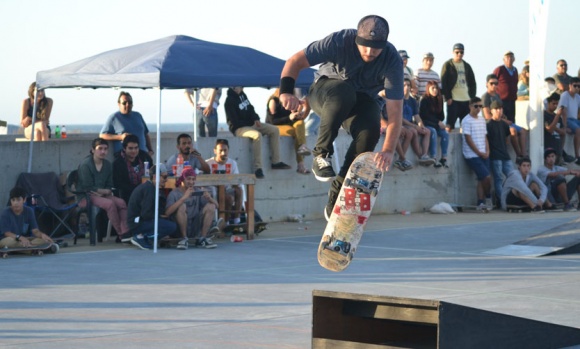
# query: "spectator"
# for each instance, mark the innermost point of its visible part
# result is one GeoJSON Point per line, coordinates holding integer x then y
{"type": "Point", "coordinates": [18, 227]}
{"type": "Point", "coordinates": [208, 102]}
{"type": "Point", "coordinates": [523, 188]}
{"type": "Point", "coordinates": [497, 133]}
{"type": "Point", "coordinates": [431, 112]}
{"type": "Point", "coordinates": [402, 145]}
{"type": "Point", "coordinates": [408, 72]}
{"type": "Point", "coordinates": [518, 135]}
{"type": "Point", "coordinates": [561, 78]}
{"type": "Point", "coordinates": [141, 214]}
{"type": "Point", "coordinates": [43, 109]}
{"type": "Point", "coordinates": [570, 104]}
{"type": "Point", "coordinates": [191, 208]}
{"type": "Point", "coordinates": [413, 126]}
{"type": "Point", "coordinates": [188, 153]}
{"type": "Point", "coordinates": [458, 86]}
{"type": "Point", "coordinates": [290, 123]}
{"type": "Point", "coordinates": [554, 133]}
{"type": "Point", "coordinates": [96, 178]}
{"type": "Point", "coordinates": [555, 179]}
{"type": "Point", "coordinates": [129, 167]}
{"type": "Point", "coordinates": [476, 152]}
{"type": "Point", "coordinates": [426, 74]}
{"type": "Point", "coordinates": [524, 84]}
{"type": "Point", "coordinates": [507, 86]}
{"type": "Point", "coordinates": [244, 122]}
{"type": "Point", "coordinates": [125, 122]}
{"type": "Point", "coordinates": [223, 164]}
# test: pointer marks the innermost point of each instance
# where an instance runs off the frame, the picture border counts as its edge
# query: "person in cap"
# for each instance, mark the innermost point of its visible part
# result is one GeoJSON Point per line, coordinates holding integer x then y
{"type": "Point", "coordinates": [426, 74]}
{"type": "Point", "coordinates": [561, 77]}
{"type": "Point", "coordinates": [408, 72]}
{"type": "Point", "coordinates": [497, 133]}
{"type": "Point", "coordinates": [141, 212]}
{"type": "Point", "coordinates": [507, 85]}
{"type": "Point", "coordinates": [554, 177]}
{"type": "Point", "coordinates": [355, 65]}
{"type": "Point", "coordinates": [523, 188]}
{"type": "Point", "coordinates": [458, 86]}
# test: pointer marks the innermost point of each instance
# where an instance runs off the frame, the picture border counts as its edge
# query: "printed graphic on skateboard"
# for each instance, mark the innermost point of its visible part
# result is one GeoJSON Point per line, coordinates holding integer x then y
{"type": "Point", "coordinates": [350, 213]}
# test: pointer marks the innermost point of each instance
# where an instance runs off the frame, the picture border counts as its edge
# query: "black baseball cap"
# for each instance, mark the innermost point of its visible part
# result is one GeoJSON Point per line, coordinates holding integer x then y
{"type": "Point", "coordinates": [372, 31]}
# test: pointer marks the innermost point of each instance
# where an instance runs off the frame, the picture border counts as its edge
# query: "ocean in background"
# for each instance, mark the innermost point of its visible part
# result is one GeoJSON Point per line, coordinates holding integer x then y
{"type": "Point", "coordinates": [96, 128]}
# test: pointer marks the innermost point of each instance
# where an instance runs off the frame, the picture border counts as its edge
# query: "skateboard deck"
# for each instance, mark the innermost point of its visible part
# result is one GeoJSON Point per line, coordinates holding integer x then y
{"type": "Point", "coordinates": [38, 250]}
{"type": "Point", "coordinates": [173, 242]}
{"type": "Point", "coordinates": [469, 208]}
{"type": "Point", "coordinates": [351, 211]}
{"type": "Point", "coordinates": [242, 228]}
{"type": "Point", "coordinates": [518, 208]}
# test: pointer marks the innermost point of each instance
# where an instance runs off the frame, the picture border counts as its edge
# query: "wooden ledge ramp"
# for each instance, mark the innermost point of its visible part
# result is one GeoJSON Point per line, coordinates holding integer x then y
{"type": "Point", "coordinates": [562, 239]}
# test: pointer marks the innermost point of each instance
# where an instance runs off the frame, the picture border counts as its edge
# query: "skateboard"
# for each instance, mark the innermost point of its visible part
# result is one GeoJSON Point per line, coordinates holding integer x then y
{"type": "Point", "coordinates": [242, 228]}
{"type": "Point", "coordinates": [469, 208]}
{"type": "Point", "coordinates": [173, 242]}
{"type": "Point", "coordinates": [351, 211]}
{"type": "Point", "coordinates": [38, 250]}
{"type": "Point", "coordinates": [62, 240]}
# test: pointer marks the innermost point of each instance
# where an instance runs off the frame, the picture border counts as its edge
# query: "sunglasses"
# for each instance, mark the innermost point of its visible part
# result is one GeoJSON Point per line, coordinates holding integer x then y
{"type": "Point", "coordinates": [458, 52]}
{"type": "Point", "coordinates": [493, 83]}
{"type": "Point", "coordinates": [576, 85]}
{"type": "Point", "coordinates": [478, 106]}
{"type": "Point", "coordinates": [126, 102]}
{"type": "Point", "coordinates": [563, 65]}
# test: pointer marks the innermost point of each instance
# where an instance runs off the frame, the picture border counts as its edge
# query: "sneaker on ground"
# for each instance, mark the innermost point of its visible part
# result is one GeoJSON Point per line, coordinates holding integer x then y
{"type": "Point", "coordinates": [126, 237]}
{"type": "Point", "coordinates": [303, 150]}
{"type": "Point", "coordinates": [425, 160]}
{"type": "Point", "coordinates": [568, 158]}
{"type": "Point", "coordinates": [407, 165]}
{"type": "Point", "coordinates": [213, 231]}
{"type": "Point", "coordinates": [142, 243]}
{"type": "Point", "coordinates": [538, 209]}
{"type": "Point", "coordinates": [481, 207]}
{"type": "Point", "coordinates": [280, 166]}
{"type": "Point", "coordinates": [205, 243]}
{"type": "Point", "coordinates": [569, 208]}
{"type": "Point", "coordinates": [183, 244]}
{"type": "Point", "coordinates": [437, 164]}
{"type": "Point", "coordinates": [259, 173]}
{"type": "Point", "coordinates": [322, 168]}
{"type": "Point", "coordinates": [489, 204]}
{"type": "Point", "coordinates": [399, 164]}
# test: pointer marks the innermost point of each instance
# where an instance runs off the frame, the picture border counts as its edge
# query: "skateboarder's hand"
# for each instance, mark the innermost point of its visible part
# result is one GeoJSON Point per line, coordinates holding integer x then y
{"type": "Point", "coordinates": [383, 160]}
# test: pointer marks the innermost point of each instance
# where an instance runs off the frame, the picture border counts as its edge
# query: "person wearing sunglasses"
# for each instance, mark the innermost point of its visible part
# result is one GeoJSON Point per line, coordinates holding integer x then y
{"type": "Point", "coordinates": [124, 122]}
{"type": "Point", "coordinates": [561, 77]}
{"type": "Point", "coordinates": [570, 104]}
{"type": "Point", "coordinates": [475, 148]}
{"type": "Point", "coordinates": [458, 85]}
{"type": "Point", "coordinates": [518, 134]}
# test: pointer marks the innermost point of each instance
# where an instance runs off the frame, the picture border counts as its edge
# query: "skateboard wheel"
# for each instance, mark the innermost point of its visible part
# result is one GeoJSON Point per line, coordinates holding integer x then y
{"type": "Point", "coordinates": [39, 253]}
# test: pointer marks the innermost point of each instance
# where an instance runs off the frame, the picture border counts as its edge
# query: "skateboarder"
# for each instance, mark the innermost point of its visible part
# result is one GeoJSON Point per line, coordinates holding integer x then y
{"type": "Point", "coordinates": [18, 227]}
{"type": "Point", "coordinates": [355, 66]}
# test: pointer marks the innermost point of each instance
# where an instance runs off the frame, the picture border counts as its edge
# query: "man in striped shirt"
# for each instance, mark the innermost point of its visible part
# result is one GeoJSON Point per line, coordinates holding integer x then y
{"type": "Point", "coordinates": [426, 74]}
{"type": "Point", "coordinates": [476, 151]}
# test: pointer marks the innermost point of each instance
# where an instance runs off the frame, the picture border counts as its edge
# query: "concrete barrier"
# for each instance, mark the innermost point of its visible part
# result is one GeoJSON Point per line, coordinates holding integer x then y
{"type": "Point", "coordinates": [282, 192]}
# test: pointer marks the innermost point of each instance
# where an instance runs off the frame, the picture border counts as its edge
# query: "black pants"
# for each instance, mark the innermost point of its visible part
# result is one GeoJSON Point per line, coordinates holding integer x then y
{"type": "Point", "coordinates": [509, 110]}
{"type": "Point", "coordinates": [457, 110]}
{"type": "Point", "coordinates": [339, 104]}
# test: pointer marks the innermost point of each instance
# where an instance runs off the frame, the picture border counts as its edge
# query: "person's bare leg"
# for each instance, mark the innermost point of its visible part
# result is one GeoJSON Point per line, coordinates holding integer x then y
{"type": "Point", "coordinates": [181, 219]}
{"type": "Point", "coordinates": [208, 214]}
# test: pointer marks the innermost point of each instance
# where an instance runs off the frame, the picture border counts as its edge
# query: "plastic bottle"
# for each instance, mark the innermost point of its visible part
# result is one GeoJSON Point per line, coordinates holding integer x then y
{"type": "Point", "coordinates": [146, 168]}
{"type": "Point", "coordinates": [179, 165]}
{"type": "Point", "coordinates": [57, 132]}
{"type": "Point", "coordinates": [63, 132]}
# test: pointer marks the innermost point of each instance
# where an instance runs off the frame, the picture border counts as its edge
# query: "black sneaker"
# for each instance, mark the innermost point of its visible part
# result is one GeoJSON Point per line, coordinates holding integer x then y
{"type": "Point", "coordinates": [577, 162]}
{"type": "Point", "coordinates": [259, 173]}
{"type": "Point", "coordinates": [142, 243]}
{"type": "Point", "coordinates": [125, 237]}
{"type": "Point", "coordinates": [568, 158]}
{"type": "Point", "coordinates": [322, 168]}
{"type": "Point", "coordinates": [538, 209]}
{"type": "Point", "coordinates": [205, 243]}
{"type": "Point", "coordinates": [280, 166]}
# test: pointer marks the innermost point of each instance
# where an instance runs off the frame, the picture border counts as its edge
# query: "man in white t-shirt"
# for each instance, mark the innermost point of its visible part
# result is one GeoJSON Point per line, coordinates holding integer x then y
{"type": "Point", "coordinates": [222, 164]}
{"type": "Point", "coordinates": [570, 104]}
{"type": "Point", "coordinates": [476, 151]}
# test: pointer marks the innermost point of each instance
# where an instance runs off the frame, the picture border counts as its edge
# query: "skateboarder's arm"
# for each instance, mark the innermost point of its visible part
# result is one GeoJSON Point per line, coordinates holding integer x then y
{"type": "Point", "coordinates": [290, 73]}
{"type": "Point", "coordinates": [395, 112]}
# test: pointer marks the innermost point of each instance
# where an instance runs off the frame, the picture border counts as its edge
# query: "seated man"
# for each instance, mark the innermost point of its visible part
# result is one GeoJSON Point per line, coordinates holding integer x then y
{"type": "Point", "coordinates": [141, 214]}
{"type": "Point", "coordinates": [413, 126]}
{"type": "Point", "coordinates": [401, 147]}
{"type": "Point", "coordinates": [188, 153]}
{"type": "Point", "coordinates": [18, 227]}
{"type": "Point", "coordinates": [523, 188]}
{"type": "Point", "coordinates": [555, 179]}
{"type": "Point", "coordinates": [191, 208]}
{"type": "Point", "coordinates": [129, 167]}
{"type": "Point", "coordinates": [554, 132]}
{"type": "Point", "coordinates": [221, 163]}
{"type": "Point", "coordinates": [96, 179]}
{"type": "Point", "coordinates": [244, 122]}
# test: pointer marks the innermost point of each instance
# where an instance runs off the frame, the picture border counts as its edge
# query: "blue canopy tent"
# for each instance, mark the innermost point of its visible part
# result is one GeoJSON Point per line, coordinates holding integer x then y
{"type": "Point", "coordinates": [174, 62]}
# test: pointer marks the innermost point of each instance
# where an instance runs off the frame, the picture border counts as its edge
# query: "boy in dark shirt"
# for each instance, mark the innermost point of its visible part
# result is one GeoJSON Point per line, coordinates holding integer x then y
{"type": "Point", "coordinates": [497, 134]}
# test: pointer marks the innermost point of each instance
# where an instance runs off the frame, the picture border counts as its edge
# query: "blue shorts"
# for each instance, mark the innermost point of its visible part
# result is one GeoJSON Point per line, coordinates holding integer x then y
{"type": "Point", "coordinates": [573, 124]}
{"type": "Point", "coordinates": [480, 166]}
{"type": "Point", "coordinates": [516, 127]}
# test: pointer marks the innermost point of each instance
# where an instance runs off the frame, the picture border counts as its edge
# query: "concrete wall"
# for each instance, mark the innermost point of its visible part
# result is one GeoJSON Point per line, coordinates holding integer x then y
{"type": "Point", "coordinates": [282, 192]}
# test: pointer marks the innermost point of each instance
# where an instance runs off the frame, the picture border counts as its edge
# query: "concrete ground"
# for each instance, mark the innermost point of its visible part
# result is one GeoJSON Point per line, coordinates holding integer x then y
{"type": "Point", "coordinates": [258, 294]}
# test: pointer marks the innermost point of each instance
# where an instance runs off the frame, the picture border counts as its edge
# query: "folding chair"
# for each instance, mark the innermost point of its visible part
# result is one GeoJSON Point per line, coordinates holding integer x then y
{"type": "Point", "coordinates": [46, 195]}
{"type": "Point", "coordinates": [85, 204]}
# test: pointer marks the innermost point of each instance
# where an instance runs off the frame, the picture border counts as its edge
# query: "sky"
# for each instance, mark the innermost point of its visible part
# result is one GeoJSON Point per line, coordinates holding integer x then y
{"type": "Point", "coordinates": [39, 35]}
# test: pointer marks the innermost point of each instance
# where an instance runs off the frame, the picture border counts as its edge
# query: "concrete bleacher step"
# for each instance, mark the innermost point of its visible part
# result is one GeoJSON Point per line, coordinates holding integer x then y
{"type": "Point", "coordinates": [561, 239]}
